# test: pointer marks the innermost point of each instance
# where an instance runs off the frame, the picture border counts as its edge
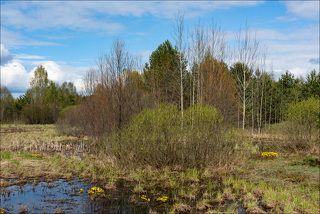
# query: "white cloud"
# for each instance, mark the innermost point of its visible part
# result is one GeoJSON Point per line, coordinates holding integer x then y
{"type": "Point", "coordinates": [14, 39]}
{"type": "Point", "coordinates": [304, 9]}
{"type": "Point", "coordinates": [14, 76]}
{"type": "Point", "coordinates": [96, 15]}
{"type": "Point", "coordinates": [289, 34]}
{"type": "Point", "coordinates": [168, 9]}
{"type": "Point", "coordinates": [289, 49]}
{"type": "Point", "coordinates": [28, 57]}
{"type": "Point", "coordinates": [54, 70]}
{"type": "Point", "coordinates": [71, 15]}
{"type": "Point", "coordinates": [79, 84]}
{"type": "Point", "coordinates": [292, 49]}
{"type": "Point", "coordinates": [60, 72]}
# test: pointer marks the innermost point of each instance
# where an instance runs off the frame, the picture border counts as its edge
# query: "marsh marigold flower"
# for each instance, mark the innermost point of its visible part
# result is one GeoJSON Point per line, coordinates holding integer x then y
{"type": "Point", "coordinates": [269, 154]}
{"type": "Point", "coordinates": [145, 198]}
{"type": "Point", "coordinates": [95, 190]}
{"type": "Point", "coordinates": [163, 198]}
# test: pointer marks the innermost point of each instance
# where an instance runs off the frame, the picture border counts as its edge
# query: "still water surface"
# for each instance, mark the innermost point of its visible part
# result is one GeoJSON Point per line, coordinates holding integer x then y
{"type": "Point", "coordinates": [64, 196]}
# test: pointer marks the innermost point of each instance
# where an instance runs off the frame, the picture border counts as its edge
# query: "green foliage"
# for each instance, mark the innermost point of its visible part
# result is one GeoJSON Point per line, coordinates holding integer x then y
{"type": "Point", "coordinates": [312, 85]}
{"type": "Point", "coordinates": [162, 74]}
{"type": "Point", "coordinates": [39, 84]}
{"type": "Point", "coordinates": [203, 115]}
{"type": "Point", "coordinates": [219, 88]}
{"type": "Point", "coordinates": [304, 118]}
{"type": "Point", "coordinates": [241, 72]}
{"type": "Point", "coordinates": [305, 113]}
{"type": "Point", "coordinates": [148, 138]}
{"type": "Point", "coordinates": [42, 102]}
{"type": "Point", "coordinates": [289, 91]}
{"type": "Point", "coordinates": [65, 111]}
{"type": "Point", "coordinates": [22, 101]}
{"type": "Point", "coordinates": [7, 109]}
{"type": "Point", "coordinates": [67, 94]}
{"type": "Point", "coordinates": [51, 93]}
{"type": "Point", "coordinates": [40, 79]}
{"type": "Point", "coordinates": [155, 137]}
{"type": "Point", "coordinates": [40, 113]}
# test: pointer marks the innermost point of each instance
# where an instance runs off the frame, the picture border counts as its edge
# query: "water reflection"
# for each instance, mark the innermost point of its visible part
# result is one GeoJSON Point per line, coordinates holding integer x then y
{"type": "Point", "coordinates": [64, 196]}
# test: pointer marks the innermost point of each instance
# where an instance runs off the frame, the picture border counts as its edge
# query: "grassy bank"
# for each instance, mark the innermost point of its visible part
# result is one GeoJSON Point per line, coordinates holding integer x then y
{"type": "Point", "coordinates": [287, 183]}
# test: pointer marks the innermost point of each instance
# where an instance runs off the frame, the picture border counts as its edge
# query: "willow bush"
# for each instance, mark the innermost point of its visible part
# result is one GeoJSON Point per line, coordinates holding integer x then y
{"type": "Point", "coordinates": [303, 122]}
{"type": "Point", "coordinates": [156, 137]}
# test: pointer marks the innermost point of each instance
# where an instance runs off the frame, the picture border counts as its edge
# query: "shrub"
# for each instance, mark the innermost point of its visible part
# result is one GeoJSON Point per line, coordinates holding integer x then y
{"type": "Point", "coordinates": [155, 137]}
{"type": "Point", "coordinates": [102, 113]}
{"type": "Point", "coordinates": [304, 119]}
{"type": "Point", "coordinates": [95, 116]}
{"type": "Point", "coordinates": [150, 137]}
{"type": "Point", "coordinates": [69, 120]}
{"type": "Point", "coordinates": [39, 113]}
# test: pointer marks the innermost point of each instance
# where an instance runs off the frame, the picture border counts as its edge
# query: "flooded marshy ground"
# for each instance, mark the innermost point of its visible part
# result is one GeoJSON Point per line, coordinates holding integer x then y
{"type": "Point", "coordinates": [43, 171]}
{"type": "Point", "coordinates": [63, 196]}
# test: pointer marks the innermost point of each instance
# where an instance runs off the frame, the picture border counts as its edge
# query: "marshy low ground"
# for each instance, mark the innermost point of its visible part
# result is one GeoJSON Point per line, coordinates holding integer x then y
{"type": "Point", "coordinates": [279, 181]}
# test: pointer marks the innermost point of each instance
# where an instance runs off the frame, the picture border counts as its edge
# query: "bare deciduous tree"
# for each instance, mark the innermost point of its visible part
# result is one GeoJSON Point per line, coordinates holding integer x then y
{"type": "Point", "coordinates": [179, 39]}
{"type": "Point", "coordinates": [106, 87]}
{"type": "Point", "coordinates": [90, 81]}
{"type": "Point", "coordinates": [246, 53]}
{"type": "Point", "coordinates": [198, 47]}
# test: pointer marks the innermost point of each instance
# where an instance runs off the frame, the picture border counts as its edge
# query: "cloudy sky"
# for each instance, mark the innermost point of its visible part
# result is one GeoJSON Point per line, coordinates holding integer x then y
{"type": "Point", "coordinates": [68, 37]}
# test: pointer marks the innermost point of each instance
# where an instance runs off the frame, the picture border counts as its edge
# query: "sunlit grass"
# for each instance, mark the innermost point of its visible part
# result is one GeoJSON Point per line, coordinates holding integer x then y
{"type": "Point", "coordinates": [5, 155]}
{"type": "Point", "coordinates": [287, 182]}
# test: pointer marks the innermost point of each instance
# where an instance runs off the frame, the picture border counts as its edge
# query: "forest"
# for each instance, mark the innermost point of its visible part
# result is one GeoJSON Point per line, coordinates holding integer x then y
{"type": "Point", "coordinates": [203, 126]}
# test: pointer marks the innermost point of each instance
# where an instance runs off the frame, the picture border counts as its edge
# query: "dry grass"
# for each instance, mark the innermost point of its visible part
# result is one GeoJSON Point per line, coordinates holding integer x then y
{"type": "Point", "coordinates": [283, 184]}
{"type": "Point", "coordinates": [39, 138]}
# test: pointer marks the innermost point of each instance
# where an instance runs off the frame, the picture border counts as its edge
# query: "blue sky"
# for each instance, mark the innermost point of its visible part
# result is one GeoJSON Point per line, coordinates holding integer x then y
{"type": "Point", "coordinates": [68, 37]}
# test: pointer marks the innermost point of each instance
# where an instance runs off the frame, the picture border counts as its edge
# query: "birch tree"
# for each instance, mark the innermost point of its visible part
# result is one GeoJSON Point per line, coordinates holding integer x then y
{"type": "Point", "coordinates": [179, 39]}
{"type": "Point", "coordinates": [246, 53]}
{"type": "Point", "coordinates": [199, 48]}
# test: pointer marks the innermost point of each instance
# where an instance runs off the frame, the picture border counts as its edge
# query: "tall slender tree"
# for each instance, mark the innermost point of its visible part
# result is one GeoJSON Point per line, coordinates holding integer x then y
{"type": "Point", "coordinates": [246, 53]}
{"type": "Point", "coordinates": [179, 39]}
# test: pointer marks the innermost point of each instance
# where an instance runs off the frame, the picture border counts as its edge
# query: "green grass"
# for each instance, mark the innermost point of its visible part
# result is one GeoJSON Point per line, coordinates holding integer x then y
{"type": "Point", "coordinates": [5, 155]}
{"type": "Point", "coordinates": [283, 183]}
{"type": "Point", "coordinates": [29, 155]}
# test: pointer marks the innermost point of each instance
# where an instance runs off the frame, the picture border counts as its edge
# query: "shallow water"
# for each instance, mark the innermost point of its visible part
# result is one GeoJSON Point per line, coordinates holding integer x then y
{"type": "Point", "coordinates": [63, 196]}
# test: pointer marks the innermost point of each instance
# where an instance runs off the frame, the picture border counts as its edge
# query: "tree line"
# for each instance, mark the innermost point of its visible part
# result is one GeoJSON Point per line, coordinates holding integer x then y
{"type": "Point", "coordinates": [116, 92]}
{"type": "Point", "coordinates": [198, 69]}
{"type": "Point", "coordinates": [41, 103]}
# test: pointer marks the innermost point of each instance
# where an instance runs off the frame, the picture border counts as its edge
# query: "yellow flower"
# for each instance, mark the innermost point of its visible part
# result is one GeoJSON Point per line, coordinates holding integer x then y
{"type": "Point", "coordinates": [163, 198]}
{"type": "Point", "coordinates": [2, 211]}
{"type": "Point", "coordinates": [145, 198]}
{"type": "Point", "coordinates": [95, 190]}
{"type": "Point", "coordinates": [81, 190]}
{"type": "Point", "coordinates": [269, 154]}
